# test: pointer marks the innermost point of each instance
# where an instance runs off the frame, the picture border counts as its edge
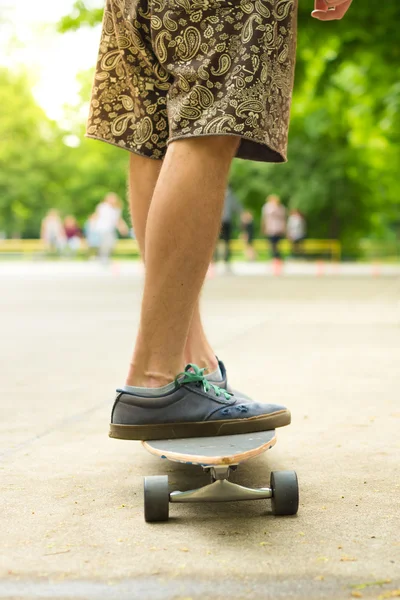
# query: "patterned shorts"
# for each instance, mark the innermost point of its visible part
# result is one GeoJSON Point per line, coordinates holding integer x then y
{"type": "Point", "coordinates": [172, 69]}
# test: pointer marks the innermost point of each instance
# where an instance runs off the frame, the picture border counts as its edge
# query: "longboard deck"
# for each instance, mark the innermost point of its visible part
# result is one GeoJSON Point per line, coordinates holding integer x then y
{"type": "Point", "coordinates": [213, 451]}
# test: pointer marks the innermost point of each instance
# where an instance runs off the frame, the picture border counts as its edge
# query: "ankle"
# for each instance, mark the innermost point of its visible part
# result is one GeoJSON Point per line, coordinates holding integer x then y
{"type": "Point", "coordinates": [149, 379]}
{"type": "Point", "coordinates": [203, 359]}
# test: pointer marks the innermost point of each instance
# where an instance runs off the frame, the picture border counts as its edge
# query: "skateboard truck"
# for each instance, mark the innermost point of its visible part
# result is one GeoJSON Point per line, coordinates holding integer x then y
{"type": "Point", "coordinates": [283, 493]}
{"type": "Point", "coordinates": [220, 490]}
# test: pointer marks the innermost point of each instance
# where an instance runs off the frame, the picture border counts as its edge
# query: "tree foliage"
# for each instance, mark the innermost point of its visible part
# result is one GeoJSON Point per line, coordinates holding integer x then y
{"type": "Point", "coordinates": [28, 153]}
{"type": "Point", "coordinates": [344, 150]}
{"type": "Point", "coordinates": [40, 169]}
{"type": "Point", "coordinates": [80, 16]}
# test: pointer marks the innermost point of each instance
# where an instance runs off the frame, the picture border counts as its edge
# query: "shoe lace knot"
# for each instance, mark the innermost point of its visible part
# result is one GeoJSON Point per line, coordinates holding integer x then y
{"type": "Point", "coordinates": [193, 374]}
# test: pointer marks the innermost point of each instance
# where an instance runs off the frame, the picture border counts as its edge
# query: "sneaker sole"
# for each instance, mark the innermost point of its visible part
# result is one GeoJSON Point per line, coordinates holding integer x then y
{"type": "Point", "coordinates": [164, 431]}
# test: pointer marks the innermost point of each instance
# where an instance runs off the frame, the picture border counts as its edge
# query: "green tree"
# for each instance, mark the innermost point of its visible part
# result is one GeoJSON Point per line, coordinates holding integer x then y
{"type": "Point", "coordinates": [30, 146]}
{"type": "Point", "coordinates": [40, 169]}
{"type": "Point", "coordinates": [94, 169]}
{"type": "Point", "coordinates": [80, 15]}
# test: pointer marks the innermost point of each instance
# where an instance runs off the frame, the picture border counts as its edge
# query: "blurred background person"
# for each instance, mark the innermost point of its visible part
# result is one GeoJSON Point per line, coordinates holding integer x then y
{"type": "Point", "coordinates": [52, 231]}
{"type": "Point", "coordinates": [232, 208]}
{"type": "Point", "coordinates": [247, 222]}
{"type": "Point", "coordinates": [73, 234]}
{"type": "Point", "coordinates": [273, 223]}
{"type": "Point", "coordinates": [296, 231]}
{"type": "Point", "coordinates": [92, 235]}
{"type": "Point", "coordinates": [109, 221]}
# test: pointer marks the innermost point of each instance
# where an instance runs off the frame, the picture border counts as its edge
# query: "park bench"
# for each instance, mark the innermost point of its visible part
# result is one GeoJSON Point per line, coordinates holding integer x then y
{"type": "Point", "coordinates": [129, 248]}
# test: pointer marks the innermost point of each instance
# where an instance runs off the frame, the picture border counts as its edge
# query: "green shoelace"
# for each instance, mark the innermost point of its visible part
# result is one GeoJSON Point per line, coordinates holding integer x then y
{"type": "Point", "coordinates": [193, 374]}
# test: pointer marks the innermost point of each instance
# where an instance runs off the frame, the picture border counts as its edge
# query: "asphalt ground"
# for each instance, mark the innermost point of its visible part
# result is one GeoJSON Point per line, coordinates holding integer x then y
{"type": "Point", "coordinates": [71, 518]}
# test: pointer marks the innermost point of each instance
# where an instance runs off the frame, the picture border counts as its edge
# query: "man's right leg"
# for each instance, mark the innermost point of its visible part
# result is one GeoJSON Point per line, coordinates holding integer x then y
{"type": "Point", "coordinates": [182, 227]}
{"type": "Point", "coordinates": [143, 176]}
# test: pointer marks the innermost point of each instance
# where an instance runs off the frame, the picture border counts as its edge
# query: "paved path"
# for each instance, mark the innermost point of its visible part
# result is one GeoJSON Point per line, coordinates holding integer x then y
{"type": "Point", "coordinates": [71, 523]}
{"type": "Point", "coordinates": [127, 268]}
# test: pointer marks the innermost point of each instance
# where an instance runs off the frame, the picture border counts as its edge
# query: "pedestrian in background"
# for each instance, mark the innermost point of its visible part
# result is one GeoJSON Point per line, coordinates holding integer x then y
{"type": "Point", "coordinates": [232, 209]}
{"type": "Point", "coordinates": [52, 231]}
{"type": "Point", "coordinates": [109, 222]}
{"type": "Point", "coordinates": [247, 222]}
{"type": "Point", "coordinates": [92, 235]}
{"type": "Point", "coordinates": [73, 234]}
{"type": "Point", "coordinates": [296, 230]}
{"type": "Point", "coordinates": [273, 223]}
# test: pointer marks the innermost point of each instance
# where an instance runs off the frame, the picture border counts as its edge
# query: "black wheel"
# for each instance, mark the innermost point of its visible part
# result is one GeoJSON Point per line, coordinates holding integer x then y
{"type": "Point", "coordinates": [156, 498]}
{"type": "Point", "coordinates": [285, 492]}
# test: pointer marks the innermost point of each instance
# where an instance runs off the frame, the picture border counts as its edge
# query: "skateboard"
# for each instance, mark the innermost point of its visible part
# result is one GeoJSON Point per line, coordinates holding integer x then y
{"type": "Point", "coordinates": [219, 456]}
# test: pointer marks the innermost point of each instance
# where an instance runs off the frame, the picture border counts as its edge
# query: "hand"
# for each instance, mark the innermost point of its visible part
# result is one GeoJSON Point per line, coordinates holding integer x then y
{"type": "Point", "coordinates": [330, 10]}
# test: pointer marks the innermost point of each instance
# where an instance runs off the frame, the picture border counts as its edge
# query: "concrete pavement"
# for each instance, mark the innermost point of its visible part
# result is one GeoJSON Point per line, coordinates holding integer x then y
{"type": "Point", "coordinates": [71, 524]}
{"type": "Point", "coordinates": [134, 268]}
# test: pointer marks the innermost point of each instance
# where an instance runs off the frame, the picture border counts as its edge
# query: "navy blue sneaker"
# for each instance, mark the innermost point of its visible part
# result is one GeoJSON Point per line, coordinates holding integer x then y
{"type": "Point", "coordinates": [195, 407]}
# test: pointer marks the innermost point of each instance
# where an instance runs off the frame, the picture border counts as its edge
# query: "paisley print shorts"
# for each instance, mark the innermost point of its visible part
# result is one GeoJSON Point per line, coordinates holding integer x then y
{"type": "Point", "coordinates": [172, 69]}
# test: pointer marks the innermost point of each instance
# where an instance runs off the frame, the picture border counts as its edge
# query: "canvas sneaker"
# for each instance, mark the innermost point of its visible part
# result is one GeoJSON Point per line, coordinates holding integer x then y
{"type": "Point", "coordinates": [195, 407]}
{"type": "Point", "coordinates": [223, 383]}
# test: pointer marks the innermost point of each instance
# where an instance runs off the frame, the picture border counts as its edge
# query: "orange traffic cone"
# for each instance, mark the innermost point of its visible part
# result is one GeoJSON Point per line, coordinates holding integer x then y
{"type": "Point", "coordinates": [320, 268]}
{"type": "Point", "coordinates": [277, 266]}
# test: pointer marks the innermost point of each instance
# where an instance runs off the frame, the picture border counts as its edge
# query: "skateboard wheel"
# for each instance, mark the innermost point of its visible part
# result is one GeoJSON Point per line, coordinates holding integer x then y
{"type": "Point", "coordinates": [156, 498]}
{"type": "Point", "coordinates": [285, 492]}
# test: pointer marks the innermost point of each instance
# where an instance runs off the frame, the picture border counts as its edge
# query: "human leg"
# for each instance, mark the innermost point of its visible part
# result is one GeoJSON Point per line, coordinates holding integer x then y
{"type": "Point", "coordinates": [278, 254]}
{"type": "Point", "coordinates": [226, 236]}
{"type": "Point", "coordinates": [198, 349]}
{"type": "Point", "coordinates": [251, 253]}
{"type": "Point", "coordinates": [143, 176]}
{"type": "Point", "coordinates": [274, 241]}
{"type": "Point", "coordinates": [181, 230]}
{"type": "Point", "coordinates": [271, 244]}
{"type": "Point", "coordinates": [107, 243]}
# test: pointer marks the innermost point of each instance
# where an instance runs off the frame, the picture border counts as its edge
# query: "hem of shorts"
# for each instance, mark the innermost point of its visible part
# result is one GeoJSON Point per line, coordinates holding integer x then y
{"type": "Point", "coordinates": [270, 154]}
{"type": "Point", "coordinates": [101, 139]}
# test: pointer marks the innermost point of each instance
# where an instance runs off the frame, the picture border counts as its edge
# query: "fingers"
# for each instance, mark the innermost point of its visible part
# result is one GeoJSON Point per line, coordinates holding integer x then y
{"type": "Point", "coordinates": [336, 14]}
{"type": "Point", "coordinates": [330, 10]}
{"type": "Point", "coordinates": [325, 5]}
{"type": "Point", "coordinates": [334, 2]}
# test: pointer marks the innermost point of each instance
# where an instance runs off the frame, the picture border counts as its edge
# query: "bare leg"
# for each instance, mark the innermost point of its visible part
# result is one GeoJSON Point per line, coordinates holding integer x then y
{"type": "Point", "coordinates": [198, 349]}
{"type": "Point", "coordinates": [143, 176]}
{"type": "Point", "coordinates": [182, 226]}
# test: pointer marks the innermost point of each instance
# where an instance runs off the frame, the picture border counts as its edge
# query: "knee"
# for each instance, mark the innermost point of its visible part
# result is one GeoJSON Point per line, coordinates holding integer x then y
{"type": "Point", "coordinates": [139, 164]}
{"type": "Point", "coordinates": [220, 147]}
{"type": "Point", "coordinates": [225, 144]}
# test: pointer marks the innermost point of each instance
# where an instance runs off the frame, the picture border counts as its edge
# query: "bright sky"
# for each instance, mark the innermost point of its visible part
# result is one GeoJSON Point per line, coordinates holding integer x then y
{"type": "Point", "coordinates": [54, 59]}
